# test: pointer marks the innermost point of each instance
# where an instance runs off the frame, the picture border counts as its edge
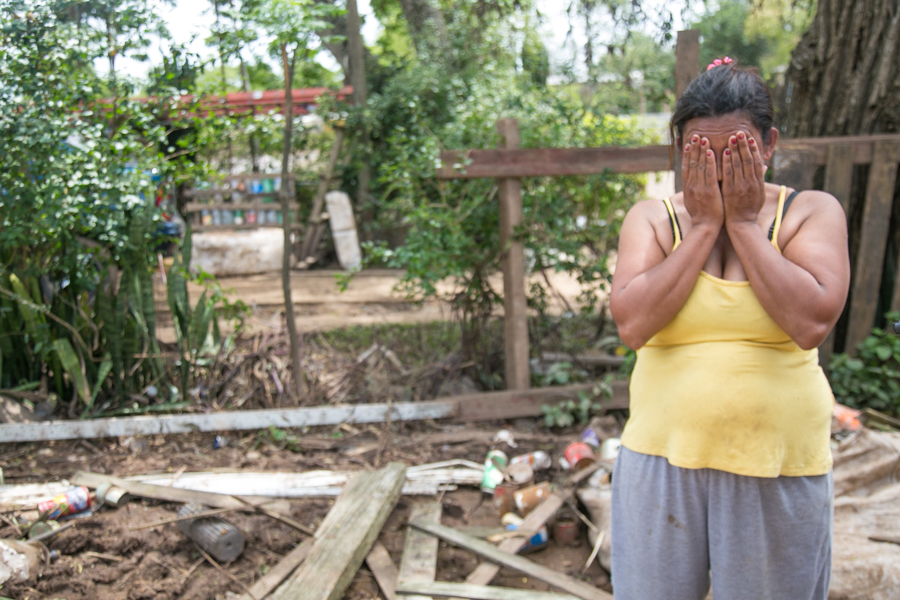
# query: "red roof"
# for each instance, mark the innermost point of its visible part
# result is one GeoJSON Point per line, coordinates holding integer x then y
{"type": "Point", "coordinates": [243, 103]}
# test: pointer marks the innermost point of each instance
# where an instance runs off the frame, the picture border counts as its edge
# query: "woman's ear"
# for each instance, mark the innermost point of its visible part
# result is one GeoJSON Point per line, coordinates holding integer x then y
{"type": "Point", "coordinates": [770, 143]}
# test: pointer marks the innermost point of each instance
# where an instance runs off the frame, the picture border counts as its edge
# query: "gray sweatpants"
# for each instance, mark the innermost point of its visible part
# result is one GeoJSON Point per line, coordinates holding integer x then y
{"type": "Point", "coordinates": [759, 538]}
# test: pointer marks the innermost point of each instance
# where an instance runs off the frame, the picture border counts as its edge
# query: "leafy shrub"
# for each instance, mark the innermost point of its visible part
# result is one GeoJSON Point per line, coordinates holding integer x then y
{"type": "Point", "coordinates": [872, 377]}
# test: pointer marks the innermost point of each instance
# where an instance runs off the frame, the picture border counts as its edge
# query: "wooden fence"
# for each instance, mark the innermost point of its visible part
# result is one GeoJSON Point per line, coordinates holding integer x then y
{"type": "Point", "coordinates": [795, 164]}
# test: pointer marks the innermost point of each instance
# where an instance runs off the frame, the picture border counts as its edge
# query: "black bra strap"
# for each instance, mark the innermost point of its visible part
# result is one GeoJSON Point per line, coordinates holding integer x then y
{"type": "Point", "coordinates": [787, 205]}
{"type": "Point", "coordinates": [673, 222]}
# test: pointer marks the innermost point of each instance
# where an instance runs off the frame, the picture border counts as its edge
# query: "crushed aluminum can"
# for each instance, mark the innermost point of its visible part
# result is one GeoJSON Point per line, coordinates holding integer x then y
{"type": "Point", "coordinates": [538, 541]}
{"type": "Point", "coordinates": [538, 460]}
{"type": "Point", "coordinates": [74, 501]}
{"type": "Point", "coordinates": [494, 465]}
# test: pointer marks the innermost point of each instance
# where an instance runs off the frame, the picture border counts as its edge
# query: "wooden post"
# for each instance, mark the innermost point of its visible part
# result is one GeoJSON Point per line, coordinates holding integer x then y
{"type": "Point", "coordinates": [419, 562]}
{"type": "Point", "coordinates": [838, 180]}
{"type": "Point", "coordinates": [515, 317]}
{"type": "Point", "coordinates": [687, 68]}
{"type": "Point", "coordinates": [873, 239]}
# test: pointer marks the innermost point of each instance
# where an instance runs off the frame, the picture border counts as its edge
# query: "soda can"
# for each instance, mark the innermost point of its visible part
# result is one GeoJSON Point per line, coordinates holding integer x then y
{"type": "Point", "coordinates": [538, 460]}
{"type": "Point", "coordinates": [539, 540]}
{"type": "Point", "coordinates": [73, 501]}
{"type": "Point", "coordinates": [494, 465]}
{"type": "Point", "coordinates": [579, 455]}
{"type": "Point", "coordinates": [503, 498]}
{"type": "Point", "coordinates": [520, 473]}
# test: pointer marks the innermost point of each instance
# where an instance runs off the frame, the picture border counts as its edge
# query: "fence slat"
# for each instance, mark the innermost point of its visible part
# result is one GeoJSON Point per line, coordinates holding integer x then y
{"type": "Point", "coordinates": [838, 181]}
{"type": "Point", "coordinates": [873, 239]}
{"type": "Point", "coordinates": [794, 168]}
{"type": "Point", "coordinates": [687, 68]}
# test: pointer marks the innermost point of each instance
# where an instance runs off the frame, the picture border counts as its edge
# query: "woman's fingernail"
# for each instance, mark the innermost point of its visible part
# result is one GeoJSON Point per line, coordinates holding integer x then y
{"type": "Point", "coordinates": [751, 141]}
{"type": "Point", "coordinates": [694, 139]}
{"type": "Point", "coordinates": [733, 140]}
{"type": "Point", "coordinates": [703, 142]}
{"type": "Point", "coordinates": [709, 153]}
{"type": "Point", "coordinates": [687, 147]}
{"type": "Point", "coordinates": [727, 152]}
{"type": "Point", "coordinates": [740, 135]}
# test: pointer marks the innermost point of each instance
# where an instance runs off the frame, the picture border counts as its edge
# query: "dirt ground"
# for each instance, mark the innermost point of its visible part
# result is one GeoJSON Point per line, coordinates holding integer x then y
{"type": "Point", "coordinates": [103, 557]}
{"type": "Point", "coordinates": [369, 299]}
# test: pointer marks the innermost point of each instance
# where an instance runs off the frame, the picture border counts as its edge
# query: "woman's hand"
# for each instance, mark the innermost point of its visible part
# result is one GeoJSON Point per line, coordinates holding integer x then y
{"type": "Point", "coordinates": [743, 182]}
{"type": "Point", "coordinates": [702, 197]}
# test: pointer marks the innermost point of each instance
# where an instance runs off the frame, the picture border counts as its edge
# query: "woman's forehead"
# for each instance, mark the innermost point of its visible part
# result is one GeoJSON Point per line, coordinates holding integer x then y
{"type": "Point", "coordinates": [719, 126]}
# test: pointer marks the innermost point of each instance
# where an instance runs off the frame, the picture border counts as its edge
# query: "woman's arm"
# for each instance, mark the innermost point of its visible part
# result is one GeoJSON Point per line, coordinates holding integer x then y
{"type": "Point", "coordinates": [649, 288]}
{"type": "Point", "coordinates": [804, 288]}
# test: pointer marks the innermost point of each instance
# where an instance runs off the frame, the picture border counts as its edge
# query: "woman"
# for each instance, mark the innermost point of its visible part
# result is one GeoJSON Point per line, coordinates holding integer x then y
{"type": "Point", "coordinates": [726, 290]}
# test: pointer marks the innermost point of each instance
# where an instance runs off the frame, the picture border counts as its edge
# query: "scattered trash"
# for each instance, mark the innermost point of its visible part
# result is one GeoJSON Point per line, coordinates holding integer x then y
{"type": "Point", "coordinates": [494, 465]}
{"type": "Point", "coordinates": [505, 436]}
{"type": "Point", "coordinates": [107, 493]}
{"type": "Point", "coordinates": [589, 437]}
{"type": "Point", "coordinates": [504, 501]}
{"type": "Point", "coordinates": [520, 473]}
{"type": "Point", "coordinates": [566, 530]}
{"type": "Point", "coordinates": [845, 418]}
{"type": "Point", "coordinates": [528, 498]}
{"type": "Point", "coordinates": [538, 541]}
{"type": "Point", "coordinates": [538, 460]}
{"type": "Point", "coordinates": [41, 527]}
{"type": "Point", "coordinates": [220, 442]}
{"type": "Point", "coordinates": [579, 455]}
{"type": "Point", "coordinates": [610, 449]}
{"type": "Point", "coordinates": [218, 537]}
{"type": "Point", "coordinates": [19, 561]}
{"type": "Point", "coordinates": [74, 501]}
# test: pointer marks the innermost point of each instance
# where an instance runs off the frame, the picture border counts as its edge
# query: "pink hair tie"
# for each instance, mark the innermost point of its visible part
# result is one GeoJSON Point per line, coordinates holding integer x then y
{"type": "Point", "coordinates": [718, 62]}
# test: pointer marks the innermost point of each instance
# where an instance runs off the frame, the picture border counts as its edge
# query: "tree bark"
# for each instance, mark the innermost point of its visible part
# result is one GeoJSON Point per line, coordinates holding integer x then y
{"type": "Point", "coordinates": [254, 143]}
{"type": "Point", "coordinates": [357, 63]}
{"type": "Point", "coordinates": [844, 75]}
{"type": "Point", "coordinates": [426, 25]}
{"type": "Point", "coordinates": [287, 222]}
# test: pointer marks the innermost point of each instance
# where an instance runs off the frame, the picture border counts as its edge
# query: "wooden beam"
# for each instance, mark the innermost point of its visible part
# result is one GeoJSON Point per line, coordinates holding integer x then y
{"type": "Point", "coordinates": [339, 550]}
{"type": "Point", "coordinates": [794, 168]}
{"type": "Point", "coordinates": [538, 162]}
{"type": "Point", "coordinates": [168, 494]}
{"type": "Point", "coordinates": [873, 240]}
{"type": "Point", "coordinates": [484, 573]}
{"type": "Point", "coordinates": [512, 561]}
{"type": "Point", "coordinates": [838, 183]}
{"type": "Point", "coordinates": [419, 562]}
{"type": "Point", "coordinates": [687, 68]}
{"type": "Point", "coordinates": [548, 162]}
{"type": "Point", "coordinates": [383, 568]}
{"type": "Point", "coordinates": [264, 586]}
{"type": "Point", "coordinates": [226, 421]}
{"type": "Point", "coordinates": [515, 404]}
{"type": "Point", "coordinates": [515, 309]}
{"type": "Point", "coordinates": [478, 592]}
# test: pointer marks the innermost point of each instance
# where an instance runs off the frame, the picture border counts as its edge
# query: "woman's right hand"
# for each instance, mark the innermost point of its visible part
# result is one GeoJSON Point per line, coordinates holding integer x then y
{"type": "Point", "coordinates": [702, 196]}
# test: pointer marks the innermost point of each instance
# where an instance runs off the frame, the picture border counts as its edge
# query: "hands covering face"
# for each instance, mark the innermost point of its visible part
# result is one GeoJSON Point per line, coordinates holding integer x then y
{"type": "Point", "coordinates": [742, 193]}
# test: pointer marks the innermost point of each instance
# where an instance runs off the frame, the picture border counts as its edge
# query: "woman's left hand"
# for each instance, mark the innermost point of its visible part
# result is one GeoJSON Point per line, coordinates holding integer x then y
{"type": "Point", "coordinates": [743, 182]}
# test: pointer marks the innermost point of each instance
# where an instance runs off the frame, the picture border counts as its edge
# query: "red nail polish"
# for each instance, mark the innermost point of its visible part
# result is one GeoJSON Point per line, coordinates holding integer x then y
{"type": "Point", "coordinates": [703, 142]}
{"type": "Point", "coordinates": [687, 147]}
{"type": "Point", "coordinates": [727, 152]}
{"type": "Point", "coordinates": [733, 140]}
{"type": "Point", "coordinates": [709, 153]}
{"type": "Point", "coordinates": [751, 141]}
{"type": "Point", "coordinates": [741, 135]}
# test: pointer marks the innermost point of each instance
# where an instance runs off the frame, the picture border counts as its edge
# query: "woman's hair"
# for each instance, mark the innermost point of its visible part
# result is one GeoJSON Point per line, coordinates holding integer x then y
{"type": "Point", "coordinates": [722, 90]}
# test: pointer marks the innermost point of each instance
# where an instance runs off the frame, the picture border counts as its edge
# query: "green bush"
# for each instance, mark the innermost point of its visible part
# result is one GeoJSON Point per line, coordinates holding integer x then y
{"type": "Point", "coordinates": [871, 379]}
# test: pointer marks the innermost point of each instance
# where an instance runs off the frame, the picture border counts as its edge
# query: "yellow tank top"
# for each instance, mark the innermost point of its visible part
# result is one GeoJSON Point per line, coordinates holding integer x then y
{"type": "Point", "coordinates": [723, 387]}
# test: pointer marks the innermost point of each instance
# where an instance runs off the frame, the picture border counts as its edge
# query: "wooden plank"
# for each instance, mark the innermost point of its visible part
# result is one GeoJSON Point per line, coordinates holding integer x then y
{"type": "Point", "coordinates": [242, 227]}
{"type": "Point", "coordinates": [539, 162]}
{"type": "Point", "coordinates": [515, 309]}
{"type": "Point", "coordinates": [794, 168]}
{"type": "Point", "coordinates": [477, 592]}
{"type": "Point", "coordinates": [339, 551]}
{"type": "Point", "coordinates": [194, 207]}
{"type": "Point", "coordinates": [838, 183]}
{"type": "Point", "coordinates": [484, 573]}
{"type": "Point", "coordinates": [226, 421]}
{"type": "Point", "coordinates": [593, 360]}
{"type": "Point", "coordinates": [287, 565]}
{"type": "Point", "coordinates": [863, 146]}
{"type": "Point", "coordinates": [168, 494]}
{"type": "Point", "coordinates": [512, 561]}
{"type": "Point", "coordinates": [514, 404]}
{"type": "Point", "coordinates": [873, 239]}
{"type": "Point", "coordinates": [379, 562]}
{"type": "Point", "coordinates": [315, 218]}
{"type": "Point", "coordinates": [419, 561]}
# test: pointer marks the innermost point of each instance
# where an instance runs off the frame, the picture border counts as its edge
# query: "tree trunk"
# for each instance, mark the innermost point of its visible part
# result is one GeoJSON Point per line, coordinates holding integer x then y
{"type": "Point", "coordinates": [844, 76]}
{"type": "Point", "coordinates": [254, 143]}
{"type": "Point", "coordinates": [360, 96]}
{"type": "Point", "coordinates": [426, 26]}
{"type": "Point", "coordinates": [297, 371]}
